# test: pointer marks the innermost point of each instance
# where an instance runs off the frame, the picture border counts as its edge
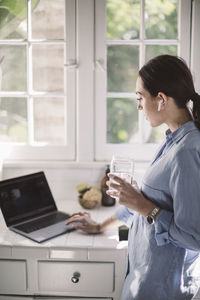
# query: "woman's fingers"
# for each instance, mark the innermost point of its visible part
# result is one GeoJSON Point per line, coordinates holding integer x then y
{"type": "Point", "coordinates": [80, 213]}
{"type": "Point", "coordinates": [113, 193]}
{"type": "Point", "coordinates": [87, 213]}
{"type": "Point", "coordinates": [75, 218]}
{"type": "Point", "coordinates": [116, 182]}
{"type": "Point", "coordinates": [84, 222]}
{"type": "Point", "coordinates": [115, 186]}
{"type": "Point", "coordinates": [116, 178]}
{"type": "Point", "coordinates": [77, 214]}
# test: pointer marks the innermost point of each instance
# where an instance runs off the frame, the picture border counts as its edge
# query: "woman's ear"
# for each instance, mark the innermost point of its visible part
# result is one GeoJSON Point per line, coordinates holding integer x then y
{"type": "Point", "coordinates": [163, 96]}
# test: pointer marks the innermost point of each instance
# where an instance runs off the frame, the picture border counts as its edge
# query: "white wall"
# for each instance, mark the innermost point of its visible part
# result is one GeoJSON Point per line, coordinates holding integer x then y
{"type": "Point", "coordinates": [63, 177]}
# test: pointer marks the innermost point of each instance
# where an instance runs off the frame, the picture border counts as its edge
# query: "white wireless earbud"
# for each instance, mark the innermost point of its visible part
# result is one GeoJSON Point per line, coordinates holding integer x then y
{"type": "Point", "coordinates": [159, 104]}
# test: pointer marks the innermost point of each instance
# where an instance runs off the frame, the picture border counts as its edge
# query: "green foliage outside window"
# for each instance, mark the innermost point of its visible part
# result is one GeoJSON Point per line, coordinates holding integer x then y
{"type": "Point", "coordinates": [13, 111]}
{"type": "Point", "coordinates": [123, 23]}
{"type": "Point", "coordinates": [118, 112]}
{"type": "Point", "coordinates": [123, 19]}
{"type": "Point", "coordinates": [12, 14]}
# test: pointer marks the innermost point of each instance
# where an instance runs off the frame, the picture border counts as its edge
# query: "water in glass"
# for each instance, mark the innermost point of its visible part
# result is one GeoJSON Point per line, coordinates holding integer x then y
{"type": "Point", "coordinates": [122, 167]}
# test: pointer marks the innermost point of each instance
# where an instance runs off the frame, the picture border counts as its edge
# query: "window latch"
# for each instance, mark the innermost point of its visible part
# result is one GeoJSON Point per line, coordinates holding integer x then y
{"type": "Point", "coordinates": [100, 64]}
{"type": "Point", "coordinates": [71, 64]}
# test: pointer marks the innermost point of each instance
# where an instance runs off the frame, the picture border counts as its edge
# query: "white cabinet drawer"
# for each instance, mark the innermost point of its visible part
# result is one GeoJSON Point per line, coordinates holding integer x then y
{"type": "Point", "coordinates": [66, 298]}
{"type": "Point", "coordinates": [15, 298]}
{"type": "Point", "coordinates": [58, 276]}
{"type": "Point", "coordinates": [12, 276]}
{"type": "Point", "coordinates": [48, 298]}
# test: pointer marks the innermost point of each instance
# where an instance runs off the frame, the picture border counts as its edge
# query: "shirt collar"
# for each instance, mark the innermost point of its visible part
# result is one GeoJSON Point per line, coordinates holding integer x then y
{"type": "Point", "coordinates": [179, 133]}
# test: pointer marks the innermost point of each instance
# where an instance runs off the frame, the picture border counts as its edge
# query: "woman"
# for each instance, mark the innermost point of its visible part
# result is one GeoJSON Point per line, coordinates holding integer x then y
{"type": "Point", "coordinates": [164, 216]}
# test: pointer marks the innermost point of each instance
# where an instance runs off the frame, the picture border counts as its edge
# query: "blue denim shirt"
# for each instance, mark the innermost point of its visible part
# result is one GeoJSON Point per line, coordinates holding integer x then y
{"type": "Point", "coordinates": [163, 259]}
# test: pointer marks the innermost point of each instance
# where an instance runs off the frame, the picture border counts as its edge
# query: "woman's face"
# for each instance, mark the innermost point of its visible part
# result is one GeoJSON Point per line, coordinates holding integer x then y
{"type": "Point", "coordinates": [148, 104]}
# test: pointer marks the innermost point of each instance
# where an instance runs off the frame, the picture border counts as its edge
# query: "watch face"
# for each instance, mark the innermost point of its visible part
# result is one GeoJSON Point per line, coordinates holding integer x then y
{"type": "Point", "coordinates": [150, 219]}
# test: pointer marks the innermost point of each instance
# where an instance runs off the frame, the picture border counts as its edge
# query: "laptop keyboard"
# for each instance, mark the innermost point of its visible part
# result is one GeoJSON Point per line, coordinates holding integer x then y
{"type": "Point", "coordinates": [42, 222]}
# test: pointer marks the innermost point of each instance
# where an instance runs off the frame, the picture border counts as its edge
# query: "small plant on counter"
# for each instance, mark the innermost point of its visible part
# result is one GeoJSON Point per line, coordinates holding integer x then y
{"type": "Point", "coordinates": [89, 197]}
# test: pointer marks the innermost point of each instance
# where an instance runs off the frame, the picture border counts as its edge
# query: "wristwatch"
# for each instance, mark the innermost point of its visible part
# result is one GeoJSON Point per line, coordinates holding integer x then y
{"type": "Point", "coordinates": [151, 217]}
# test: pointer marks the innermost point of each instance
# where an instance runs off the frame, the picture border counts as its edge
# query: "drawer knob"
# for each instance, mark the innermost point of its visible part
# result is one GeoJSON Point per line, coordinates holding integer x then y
{"type": "Point", "coordinates": [75, 277]}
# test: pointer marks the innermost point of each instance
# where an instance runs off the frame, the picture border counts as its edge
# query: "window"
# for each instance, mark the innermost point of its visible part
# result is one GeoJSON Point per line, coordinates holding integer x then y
{"type": "Point", "coordinates": [37, 80]}
{"type": "Point", "coordinates": [68, 71]}
{"type": "Point", "coordinates": [128, 33]}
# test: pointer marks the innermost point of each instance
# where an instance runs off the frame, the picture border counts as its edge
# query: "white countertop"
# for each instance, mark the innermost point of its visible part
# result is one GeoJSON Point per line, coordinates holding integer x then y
{"type": "Point", "coordinates": [78, 239]}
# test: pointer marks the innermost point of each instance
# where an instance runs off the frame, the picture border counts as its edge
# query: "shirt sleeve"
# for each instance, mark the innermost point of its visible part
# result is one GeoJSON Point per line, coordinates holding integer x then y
{"type": "Point", "coordinates": [123, 214]}
{"type": "Point", "coordinates": [182, 226]}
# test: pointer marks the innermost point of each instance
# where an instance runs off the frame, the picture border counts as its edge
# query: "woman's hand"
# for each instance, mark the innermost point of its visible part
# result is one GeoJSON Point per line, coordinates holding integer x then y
{"type": "Point", "coordinates": [129, 195]}
{"type": "Point", "coordinates": [86, 222]}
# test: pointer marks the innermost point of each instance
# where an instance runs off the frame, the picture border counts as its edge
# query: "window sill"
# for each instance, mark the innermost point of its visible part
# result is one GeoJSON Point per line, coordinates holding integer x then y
{"type": "Point", "coordinates": [8, 164]}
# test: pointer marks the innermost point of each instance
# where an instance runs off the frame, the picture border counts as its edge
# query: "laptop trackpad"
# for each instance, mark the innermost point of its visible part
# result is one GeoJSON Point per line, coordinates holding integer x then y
{"type": "Point", "coordinates": [50, 231]}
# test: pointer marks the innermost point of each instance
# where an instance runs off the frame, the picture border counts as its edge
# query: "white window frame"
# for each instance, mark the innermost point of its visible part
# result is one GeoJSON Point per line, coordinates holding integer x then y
{"type": "Point", "coordinates": [30, 152]}
{"type": "Point", "coordinates": [141, 152]}
{"type": "Point", "coordinates": [195, 44]}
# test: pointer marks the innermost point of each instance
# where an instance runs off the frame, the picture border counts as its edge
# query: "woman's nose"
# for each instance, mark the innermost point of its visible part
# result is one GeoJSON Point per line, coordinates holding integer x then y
{"type": "Point", "coordinates": [139, 107]}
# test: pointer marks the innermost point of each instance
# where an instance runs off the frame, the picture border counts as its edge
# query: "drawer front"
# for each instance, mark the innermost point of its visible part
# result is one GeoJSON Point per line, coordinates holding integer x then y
{"type": "Point", "coordinates": [48, 298]}
{"type": "Point", "coordinates": [64, 276]}
{"type": "Point", "coordinates": [15, 298]}
{"type": "Point", "coordinates": [12, 276]}
{"type": "Point", "coordinates": [66, 298]}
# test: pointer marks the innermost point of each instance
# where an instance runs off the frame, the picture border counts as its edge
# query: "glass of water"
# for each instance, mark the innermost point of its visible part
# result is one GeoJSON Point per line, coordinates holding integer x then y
{"type": "Point", "coordinates": [123, 167]}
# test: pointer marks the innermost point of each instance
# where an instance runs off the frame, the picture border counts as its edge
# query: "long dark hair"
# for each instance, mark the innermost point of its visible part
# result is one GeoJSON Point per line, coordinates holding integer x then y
{"type": "Point", "coordinates": [170, 75]}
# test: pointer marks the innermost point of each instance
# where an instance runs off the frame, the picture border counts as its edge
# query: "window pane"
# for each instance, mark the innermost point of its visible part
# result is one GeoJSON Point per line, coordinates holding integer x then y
{"type": "Point", "coordinates": [49, 120]}
{"type": "Point", "coordinates": [13, 68]}
{"type": "Point", "coordinates": [122, 68]}
{"type": "Point", "coordinates": [13, 23]}
{"type": "Point", "coordinates": [161, 19]}
{"type": "Point", "coordinates": [122, 120]}
{"type": "Point", "coordinates": [13, 120]}
{"type": "Point", "coordinates": [48, 72]}
{"type": "Point", "coordinates": [123, 19]}
{"type": "Point", "coordinates": [155, 50]}
{"type": "Point", "coordinates": [48, 20]}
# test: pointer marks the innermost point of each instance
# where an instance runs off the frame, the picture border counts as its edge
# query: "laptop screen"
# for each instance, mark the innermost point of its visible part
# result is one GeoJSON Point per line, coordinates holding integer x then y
{"type": "Point", "coordinates": [25, 197]}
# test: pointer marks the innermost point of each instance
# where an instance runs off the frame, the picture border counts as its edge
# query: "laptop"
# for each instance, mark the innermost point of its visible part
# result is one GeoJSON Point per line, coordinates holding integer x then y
{"type": "Point", "coordinates": [28, 208]}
